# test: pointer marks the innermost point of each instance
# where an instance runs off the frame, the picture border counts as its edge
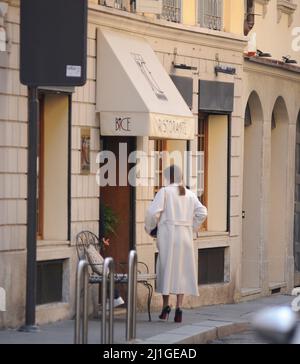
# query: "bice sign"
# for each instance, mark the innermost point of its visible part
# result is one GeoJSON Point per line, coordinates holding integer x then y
{"type": "Point", "coordinates": [122, 124]}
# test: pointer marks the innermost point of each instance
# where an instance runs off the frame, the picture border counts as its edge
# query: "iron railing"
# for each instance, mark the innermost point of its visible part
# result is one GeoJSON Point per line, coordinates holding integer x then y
{"type": "Point", "coordinates": [210, 14]}
{"type": "Point", "coordinates": [171, 10]}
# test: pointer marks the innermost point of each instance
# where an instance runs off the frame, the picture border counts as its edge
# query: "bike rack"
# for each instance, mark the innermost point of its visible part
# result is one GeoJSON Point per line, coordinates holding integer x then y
{"type": "Point", "coordinates": [108, 273]}
{"type": "Point", "coordinates": [108, 277]}
{"type": "Point", "coordinates": [132, 295]}
{"type": "Point", "coordinates": [81, 269]}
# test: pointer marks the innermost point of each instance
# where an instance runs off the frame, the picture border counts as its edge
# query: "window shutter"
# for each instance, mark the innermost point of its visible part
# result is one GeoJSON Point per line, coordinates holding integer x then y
{"type": "Point", "coordinates": [210, 14]}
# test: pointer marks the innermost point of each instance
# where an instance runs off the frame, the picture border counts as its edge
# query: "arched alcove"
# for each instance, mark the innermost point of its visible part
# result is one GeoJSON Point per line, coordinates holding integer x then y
{"type": "Point", "coordinates": [297, 205]}
{"type": "Point", "coordinates": [253, 137]}
{"type": "Point", "coordinates": [278, 194]}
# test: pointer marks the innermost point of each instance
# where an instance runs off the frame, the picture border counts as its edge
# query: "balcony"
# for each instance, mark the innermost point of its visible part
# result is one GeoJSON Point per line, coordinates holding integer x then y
{"type": "Point", "coordinates": [117, 4]}
{"type": "Point", "coordinates": [209, 12]}
{"type": "Point", "coordinates": [171, 10]}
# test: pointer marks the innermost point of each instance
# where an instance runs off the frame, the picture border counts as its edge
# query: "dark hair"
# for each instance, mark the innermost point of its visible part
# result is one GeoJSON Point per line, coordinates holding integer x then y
{"type": "Point", "coordinates": [174, 169]}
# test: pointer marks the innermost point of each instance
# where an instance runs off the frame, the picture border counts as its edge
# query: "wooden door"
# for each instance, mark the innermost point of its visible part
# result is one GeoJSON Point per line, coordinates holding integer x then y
{"type": "Point", "coordinates": [120, 199]}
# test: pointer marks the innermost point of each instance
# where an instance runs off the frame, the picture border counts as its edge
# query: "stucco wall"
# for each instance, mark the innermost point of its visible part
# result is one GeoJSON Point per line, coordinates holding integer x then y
{"type": "Point", "coordinates": [279, 92]}
{"type": "Point", "coordinates": [267, 24]}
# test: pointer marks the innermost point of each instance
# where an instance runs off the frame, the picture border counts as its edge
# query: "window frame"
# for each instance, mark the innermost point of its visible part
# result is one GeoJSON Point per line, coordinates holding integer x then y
{"type": "Point", "coordinates": [203, 117]}
{"type": "Point", "coordinates": [204, 198]}
{"type": "Point", "coordinates": [41, 174]}
{"type": "Point", "coordinates": [200, 7]}
{"type": "Point", "coordinates": [43, 92]}
{"type": "Point", "coordinates": [44, 268]}
{"type": "Point", "coordinates": [160, 146]}
{"type": "Point", "coordinates": [180, 11]}
{"type": "Point", "coordinates": [208, 266]}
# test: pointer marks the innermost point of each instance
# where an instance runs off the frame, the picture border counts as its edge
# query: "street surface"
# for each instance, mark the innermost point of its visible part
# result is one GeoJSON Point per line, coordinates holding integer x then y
{"type": "Point", "coordinates": [247, 337]}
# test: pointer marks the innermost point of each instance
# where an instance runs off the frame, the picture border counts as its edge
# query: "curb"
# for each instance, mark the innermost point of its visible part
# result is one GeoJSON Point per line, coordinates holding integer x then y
{"type": "Point", "coordinates": [199, 333]}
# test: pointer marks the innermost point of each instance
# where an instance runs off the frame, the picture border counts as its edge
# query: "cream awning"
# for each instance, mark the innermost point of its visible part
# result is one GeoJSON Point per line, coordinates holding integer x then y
{"type": "Point", "coordinates": [135, 95]}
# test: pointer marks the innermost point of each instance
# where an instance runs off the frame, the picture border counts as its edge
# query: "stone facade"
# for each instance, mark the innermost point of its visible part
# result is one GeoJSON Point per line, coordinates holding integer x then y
{"type": "Point", "coordinates": [197, 47]}
{"type": "Point", "coordinates": [271, 91]}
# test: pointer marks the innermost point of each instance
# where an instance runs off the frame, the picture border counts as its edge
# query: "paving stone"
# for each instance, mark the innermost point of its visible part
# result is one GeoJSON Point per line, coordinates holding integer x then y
{"type": "Point", "coordinates": [200, 325]}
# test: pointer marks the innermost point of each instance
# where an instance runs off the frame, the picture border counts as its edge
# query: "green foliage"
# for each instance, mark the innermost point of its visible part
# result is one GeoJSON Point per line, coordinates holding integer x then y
{"type": "Point", "coordinates": [110, 221]}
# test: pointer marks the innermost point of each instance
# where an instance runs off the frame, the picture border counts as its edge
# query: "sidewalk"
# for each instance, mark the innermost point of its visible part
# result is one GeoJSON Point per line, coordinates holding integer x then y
{"type": "Point", "coordinates": [199, 326]}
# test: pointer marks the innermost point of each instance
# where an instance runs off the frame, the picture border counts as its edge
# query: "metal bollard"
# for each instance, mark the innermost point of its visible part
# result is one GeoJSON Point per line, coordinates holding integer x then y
{"type": "Point", "coordinates": [82, 268]}
{"type": "Point", "coordinates": [108, 271]}
{"type": "Point", "coordinates": [132, 295]}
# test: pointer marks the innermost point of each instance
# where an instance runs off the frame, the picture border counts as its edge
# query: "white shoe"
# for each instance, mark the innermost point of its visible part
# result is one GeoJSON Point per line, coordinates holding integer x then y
{"type": "Point", "coordinates": [117, 302]}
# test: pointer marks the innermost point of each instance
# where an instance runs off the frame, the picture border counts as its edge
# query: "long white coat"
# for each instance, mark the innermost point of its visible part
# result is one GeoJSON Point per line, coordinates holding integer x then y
{"type": "Point", "coordinates": [176, 217]}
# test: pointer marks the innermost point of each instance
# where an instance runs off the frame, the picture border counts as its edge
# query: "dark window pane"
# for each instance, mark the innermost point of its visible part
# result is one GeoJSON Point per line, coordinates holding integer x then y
{"type": "Point", "coordinates": [49, 281]}
{"type": "Point", "coordinates": [298, 158]}
{"type": "Point", "coordinates": [201, 127]}
{"type": "Point", "coordinates": [201, 145]}
{"type": "Point", "coordinates": [273, 121]}
{"type": "Point", "coordinates": [297, 227]}
{"type": "Point", "coordinates": [248, 118]}
{"type": "Point", "coordinates": [297, 196]}
{"type": "Point", "coordinates": [211, 266]}
{"type": "Point", "coordinates": [297, 262]}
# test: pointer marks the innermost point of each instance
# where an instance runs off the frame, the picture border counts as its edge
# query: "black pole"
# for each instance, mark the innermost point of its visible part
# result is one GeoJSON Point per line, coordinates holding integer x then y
{"type": "Point", "coordinates": [33, 123]}
{"type": "Point", "coordinates": [188, 166]}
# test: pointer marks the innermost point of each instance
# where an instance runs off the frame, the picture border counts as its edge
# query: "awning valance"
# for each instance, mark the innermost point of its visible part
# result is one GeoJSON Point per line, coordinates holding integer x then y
{"type": "Point", "coordinates": [135, 95]}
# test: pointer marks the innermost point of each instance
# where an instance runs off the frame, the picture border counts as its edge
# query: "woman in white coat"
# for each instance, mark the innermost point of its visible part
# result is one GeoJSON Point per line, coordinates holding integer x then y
{"type": "Point", "coordinates": [177, 213]}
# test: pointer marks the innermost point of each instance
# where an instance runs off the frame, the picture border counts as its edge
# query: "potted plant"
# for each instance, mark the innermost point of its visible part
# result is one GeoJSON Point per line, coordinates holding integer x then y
{"type": "Point", "coordinates": [110, 221]}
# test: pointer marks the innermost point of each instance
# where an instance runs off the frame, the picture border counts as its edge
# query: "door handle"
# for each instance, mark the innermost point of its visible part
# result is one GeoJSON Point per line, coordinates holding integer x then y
{"type": "Point", "coordinates": [243, 214]}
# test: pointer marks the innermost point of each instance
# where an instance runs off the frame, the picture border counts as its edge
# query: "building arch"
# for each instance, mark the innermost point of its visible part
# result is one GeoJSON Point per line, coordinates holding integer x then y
{"type": "Point", "coordinates": [277, 237]}
{"type": "Point", "coordinates": [296, 240]}
{"type": "Point", "coordinates": [252, 191]}
{"type": "Point", "coordinates": [280, 110]}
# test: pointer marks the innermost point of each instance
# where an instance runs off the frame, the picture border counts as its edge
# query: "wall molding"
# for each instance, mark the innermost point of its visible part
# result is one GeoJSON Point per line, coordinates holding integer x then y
{"type": "Point", "coordinates": [286, 7]}
{"type": "Point", "coordinates": [265, 4]}
{"type": "Point", "coordinates": [272, 72]}
{"type": "Point", "coordinates": [128, 22]}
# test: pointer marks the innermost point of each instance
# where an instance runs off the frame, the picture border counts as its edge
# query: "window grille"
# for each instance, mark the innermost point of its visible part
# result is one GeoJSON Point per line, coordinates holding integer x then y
{"type": "Point", "coordinates": [172, 10]}
{"type": "Point", "coordinates": [49, 281]}
{"type": "Point", "coordinates": [211, 266]}
{"type": "Point", "coordinates": [210, 14]}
